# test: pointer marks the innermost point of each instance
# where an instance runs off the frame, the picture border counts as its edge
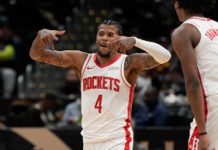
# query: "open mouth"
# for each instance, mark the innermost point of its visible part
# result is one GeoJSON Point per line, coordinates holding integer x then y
{"type": "Point", "coordinates": [104, 45]}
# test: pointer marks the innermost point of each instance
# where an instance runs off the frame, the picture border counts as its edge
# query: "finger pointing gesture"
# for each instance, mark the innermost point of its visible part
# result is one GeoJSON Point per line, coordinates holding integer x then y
{"type": "Point", "coordinates": [49, 36]}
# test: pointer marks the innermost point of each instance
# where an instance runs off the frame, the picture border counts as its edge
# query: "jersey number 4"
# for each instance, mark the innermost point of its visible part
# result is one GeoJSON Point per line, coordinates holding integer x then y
{"type": "Point", "coordinates": [98, 103]}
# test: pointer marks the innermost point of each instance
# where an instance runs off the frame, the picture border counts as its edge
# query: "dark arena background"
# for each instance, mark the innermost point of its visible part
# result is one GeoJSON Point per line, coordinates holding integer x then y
{"type": "Point", "coordinates": [40, 103]}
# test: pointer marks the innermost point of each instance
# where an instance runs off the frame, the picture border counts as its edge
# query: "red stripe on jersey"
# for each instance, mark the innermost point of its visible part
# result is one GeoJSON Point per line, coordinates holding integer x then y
{"type": "Point", "coordinates": [107, 64]}
{"type": "Point", "coordinates": [128, 120]}
{"type": "Point", "coordinates": [201, 18]}
{"type": "Point", "coordinates": [204, 96]}
{"type": "Point", "coordinates": [193, 143]}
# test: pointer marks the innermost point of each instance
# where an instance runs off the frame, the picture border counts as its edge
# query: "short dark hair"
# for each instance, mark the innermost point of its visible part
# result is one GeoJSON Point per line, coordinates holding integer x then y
{"type": "Point", "coordinates": [115, 23]}
{"type": "Point", "coordinates": [196, 6]}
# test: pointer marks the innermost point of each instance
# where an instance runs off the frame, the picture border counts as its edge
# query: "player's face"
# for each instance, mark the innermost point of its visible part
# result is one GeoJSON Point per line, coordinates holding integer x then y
{"type": "Point", "coordinates": [105, 34]}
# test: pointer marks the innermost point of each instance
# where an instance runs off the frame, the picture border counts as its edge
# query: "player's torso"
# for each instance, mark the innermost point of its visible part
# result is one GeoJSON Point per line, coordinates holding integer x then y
{"type": "Point", "coordinates": [207, 53]}
{"type": "Point", "coordinates": [106, 97]}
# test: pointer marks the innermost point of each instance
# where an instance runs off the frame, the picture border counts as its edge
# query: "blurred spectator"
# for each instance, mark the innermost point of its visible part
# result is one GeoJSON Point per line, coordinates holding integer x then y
{"type": "Point", "coordinates": [72, 114]}
{"type": "Point", "coordinates": [8, 76]}
{"type": "Point", "coordinates": [6, 45]}
{"type": "Point", "coordinates": [16, 113]}
{"type": "Point", "coordinates": [7, 55]}
{"type": "Point", "coordinates": [71, 88]}
{"type": "Point", "coordinates": [71, 91]}
{"type": "Point", "coordinates": [144, 81]}
{"type": "Point", "coordinates": [153, 112]}
{"type": "Point", "coordinates": [43, 113]}
{"type": "Point", "coordinates": [1, 86]}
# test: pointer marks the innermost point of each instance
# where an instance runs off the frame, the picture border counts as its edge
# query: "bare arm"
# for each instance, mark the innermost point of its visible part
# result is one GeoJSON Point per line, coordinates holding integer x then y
{"type": "Point", "coordinates": [42, 50]}
{"type": "Point", "coordinates": [183, 42]}
{"type": "Point", "coordinates": [136, 63]}
{"type": "Point", "coordinates": [140, 62]}
{"type": "Point", "coordinates": [158, 52]}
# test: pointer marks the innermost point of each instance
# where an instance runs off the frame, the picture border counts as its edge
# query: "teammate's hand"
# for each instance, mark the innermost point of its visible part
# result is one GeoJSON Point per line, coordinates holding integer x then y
{"type": "Point", "coordinates": [204, 143]}
{"type": "Point", "coordinates": [122, 44]}
{"type": "Point", "coordinates": [49, 36]}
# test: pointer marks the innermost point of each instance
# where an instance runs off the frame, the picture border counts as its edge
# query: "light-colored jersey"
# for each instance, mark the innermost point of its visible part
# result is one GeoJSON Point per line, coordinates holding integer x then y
{"type": "Point", "coordinates": [207, 60]}
{"type": "Point", "coordinates": [207, 53]}
{"type": "Point", "coordinates": [106, 101]}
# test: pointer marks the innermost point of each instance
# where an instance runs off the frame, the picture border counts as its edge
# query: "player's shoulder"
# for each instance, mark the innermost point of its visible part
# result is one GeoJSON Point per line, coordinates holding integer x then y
{"type": "Point", "coordinates": [76, 57]}
{"type": "Point", "coordinates": [180, 36]}
{"type": "Point", "coordinates": [183, 29]}
{"type": "Point", "coordinates": [183, 32]}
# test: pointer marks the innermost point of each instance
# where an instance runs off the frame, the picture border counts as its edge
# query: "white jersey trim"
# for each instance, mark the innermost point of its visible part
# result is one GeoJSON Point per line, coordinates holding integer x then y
{"type": "Point", "coordinates": [123, 73]}
{"type": "Point", "coordinates": [196, 27]}
{"type": "Point", "coordinates": [85, 65]}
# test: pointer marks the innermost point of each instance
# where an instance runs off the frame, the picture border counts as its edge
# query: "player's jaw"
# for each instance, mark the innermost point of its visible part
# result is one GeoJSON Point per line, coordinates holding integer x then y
{"type": "Point", "coordinates": [103, 49]}
{"type": "Point", "coordinates": [178, 11]}
{"type": "Point", "coordinates": [105, 55]}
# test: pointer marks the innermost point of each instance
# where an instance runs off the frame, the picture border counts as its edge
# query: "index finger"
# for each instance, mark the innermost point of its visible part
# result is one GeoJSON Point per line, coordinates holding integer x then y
{"type": "Point", "coordinates": [57, 32]}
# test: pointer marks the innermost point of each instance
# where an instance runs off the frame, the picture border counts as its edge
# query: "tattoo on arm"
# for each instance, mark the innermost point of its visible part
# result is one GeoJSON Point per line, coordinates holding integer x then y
{"type": "Point", "coordinates": [139, 62]}
{"type": "Point", "coordinates": [39, 52]}
{"type": "Point", "coordinates": [55, 58]}
{"type": "Point", "coordinates": [146, 62]}
{"type": "Point", "coordinates": [128, 63]}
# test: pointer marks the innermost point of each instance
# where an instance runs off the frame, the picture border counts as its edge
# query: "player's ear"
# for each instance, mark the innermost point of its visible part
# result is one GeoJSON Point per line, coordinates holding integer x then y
{"type": "Point", "coordinates": [176, 5]}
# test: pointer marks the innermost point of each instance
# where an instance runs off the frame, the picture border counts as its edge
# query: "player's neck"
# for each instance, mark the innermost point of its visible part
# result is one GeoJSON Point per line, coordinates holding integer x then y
{"type": "Point", "coordinates": [190, 15]}
{"type": "Point", "coordinates": [103, 60]}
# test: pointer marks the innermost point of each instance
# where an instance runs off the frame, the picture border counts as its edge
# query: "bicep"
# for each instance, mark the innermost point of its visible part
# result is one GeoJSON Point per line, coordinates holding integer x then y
{"type": "Point", "coordinates": [182, 45]}
{"type": "Point", "coordinates": [189, 67]}
{"type": "Point", "coordinates": [142, 61]}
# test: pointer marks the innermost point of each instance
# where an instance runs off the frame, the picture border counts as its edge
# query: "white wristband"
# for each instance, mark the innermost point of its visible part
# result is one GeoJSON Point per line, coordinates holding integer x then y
{"type": "Point", "coordinates": [158, 52]}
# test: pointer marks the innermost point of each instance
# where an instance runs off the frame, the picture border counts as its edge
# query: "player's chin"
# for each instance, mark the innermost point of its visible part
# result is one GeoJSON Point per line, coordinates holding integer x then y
{"type": "Point", "coordinates": [104, 50]}
{"type": "Point", "coordinates": [105, 54]}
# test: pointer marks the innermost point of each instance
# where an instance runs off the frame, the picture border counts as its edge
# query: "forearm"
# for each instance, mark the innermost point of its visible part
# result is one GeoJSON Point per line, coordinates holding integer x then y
{"type": "Point", "coordinates": [196, 101]}
{"type": "Point", "coordinates": [38, 50]}
{"type": "Point", "coordinates": [159, 53]}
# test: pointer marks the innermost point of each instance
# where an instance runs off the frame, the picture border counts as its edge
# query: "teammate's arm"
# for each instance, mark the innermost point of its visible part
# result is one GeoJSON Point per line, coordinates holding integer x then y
{"type": "Point", "coordinates": [183, 43]}
{"type": "Point", "coordinates": [42, 50]}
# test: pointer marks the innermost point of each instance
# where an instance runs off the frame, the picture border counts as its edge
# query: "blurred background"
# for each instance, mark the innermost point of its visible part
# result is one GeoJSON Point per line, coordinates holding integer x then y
{"type": "Point", "coordinates": [36, 94]}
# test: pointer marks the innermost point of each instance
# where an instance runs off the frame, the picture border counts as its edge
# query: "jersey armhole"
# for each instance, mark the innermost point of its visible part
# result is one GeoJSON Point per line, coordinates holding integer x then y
{"type": "Point", "coordinates": [123, 74]}
{"type": "Point", "coordinates": [85, 65]}
{"type": "Point", "coordinates": [196, 26]}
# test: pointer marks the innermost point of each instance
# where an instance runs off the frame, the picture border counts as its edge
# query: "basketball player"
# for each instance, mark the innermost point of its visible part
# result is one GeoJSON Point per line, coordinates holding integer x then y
{"type": "Point", "coordinates": [195, 42]}
{"type": "Point", "coordinates": [107, 81]}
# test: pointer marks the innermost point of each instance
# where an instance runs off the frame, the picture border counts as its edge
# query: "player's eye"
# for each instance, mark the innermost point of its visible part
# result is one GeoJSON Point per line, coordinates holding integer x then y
{"type": "Point", "coordinates": [100, 34]}
{"type": "Point", "coordinates": [110, 34]}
